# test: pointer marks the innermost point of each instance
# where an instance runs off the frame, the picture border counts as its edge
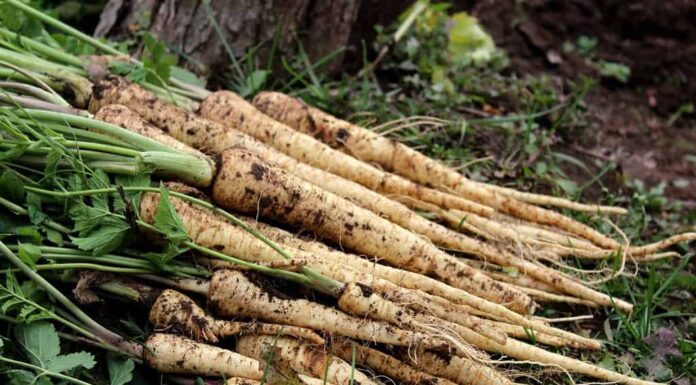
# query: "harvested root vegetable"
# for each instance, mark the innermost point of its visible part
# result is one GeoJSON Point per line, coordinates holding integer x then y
{"type": "Point", "coordinates": [532, 354]}
{"type": "Point", "coordinates": [174, 311]}
{"type": "Point", "coordinates": [233, 295]}
{"type": "Point", "coordinates": [379, 204]}
{"type": "Point", "coordinates": [241, 381]}
{"type": "Point", "coordinates": [461, 370]}
{"type": "Point", "coordinates": [303, 359]}
{"type": "Point", "coordinates": [211, 230]}
{"type": "Point", "coordinates": [416, 300]}
{"type": "Point", "coordinates": [121, 116]}
{"type": "Point", "coordinates": [360, 300]}
{"type": "Point", "coordinates": [356, 301]}
{"type": "Point", "coordinates": [383, 363]}
{"type": "Point", "coordinates": [246, 184]}
{"type": "Point", "coordinates": [229, 109]}
{"type": "Point", "coordinates": [369, 199]}
{"type": "Point", "coordinates": [415, 281]}
{"type": "Point", "coordinates": [168, 353]}
{"type": "Point", "coordinates": [401, 159]}
{"type": "Point", "coordinates": [213, 137]}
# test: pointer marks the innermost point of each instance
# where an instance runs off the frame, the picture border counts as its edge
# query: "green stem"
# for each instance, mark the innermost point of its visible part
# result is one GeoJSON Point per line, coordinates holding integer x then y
{"type": "Point", "coordinates": [43, 372]}
{"type": "Point", "coordinates": [52, 314]}
{"type": "Point", "coordinates": [87, 266]}
{"type": "Point", "coordinates": [101, 331]}
{"type": "Point", "coordinates": [22, 211]}
{"type": "Point", "coordinates": [188, 168]}
{"type": "Point", "coordinates": [80, 86]}
{"type": "Point", "coordinates": [114, 167]}
{"type": "Point", "coordinates": [27, 102]}
{"type": "Point", "coordinates": [36, 92]}
{"type": "Point", "coordinates": [96, 149]}
{"type": "Point", "coordinates": [68, 254]}
{"type": "Point", "coordinates": [52, 53]}
{"type": "Point", "coordinates": [132, 351]}
{"type": "Point", "coordinates": [136, 292]}
{"type": "Point", "coordinates": [55, 23]}
{"type": "Point", "coordinates": [16, 73]}
{"type": "Point", "coordinates": [71, 133]}
{"type": "Point", "coordinates": [136, 140]}
{"type": "Point", "coordinates": [289, 275]}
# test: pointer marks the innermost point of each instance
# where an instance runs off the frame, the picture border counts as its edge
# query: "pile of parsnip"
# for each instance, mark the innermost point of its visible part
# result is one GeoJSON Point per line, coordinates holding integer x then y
{"type": "Point", "coordinates": [317, 263]}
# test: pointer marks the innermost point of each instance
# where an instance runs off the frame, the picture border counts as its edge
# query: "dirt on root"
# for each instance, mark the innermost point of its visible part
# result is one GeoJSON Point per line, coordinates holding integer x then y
{"type": "Point", "coordinates": [655, 39]}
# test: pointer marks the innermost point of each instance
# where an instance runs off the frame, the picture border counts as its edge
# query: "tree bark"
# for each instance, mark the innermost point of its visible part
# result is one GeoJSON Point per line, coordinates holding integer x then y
{"type": "Point", "coordinates": [322, 26]}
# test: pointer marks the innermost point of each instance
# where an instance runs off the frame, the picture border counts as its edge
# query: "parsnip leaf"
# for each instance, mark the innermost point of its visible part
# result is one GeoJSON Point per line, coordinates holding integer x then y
{"type": "Point", "coordinates": [120, 369]}
{"type": "Point", "coordinates": [142, 180]}
{"type": "Point", "coordinates": [11, 187]}
{"type": "Point", "coordinates": [109, 236]}
{"type": "Point", "coordinates": [168, 221]}
{"type": "Point", "coordinates": [29, 254]}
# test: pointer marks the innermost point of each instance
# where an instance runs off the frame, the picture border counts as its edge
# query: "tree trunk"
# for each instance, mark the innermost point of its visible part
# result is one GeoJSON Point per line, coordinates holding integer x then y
{"type": "Point", "coordinates": [322, 26]}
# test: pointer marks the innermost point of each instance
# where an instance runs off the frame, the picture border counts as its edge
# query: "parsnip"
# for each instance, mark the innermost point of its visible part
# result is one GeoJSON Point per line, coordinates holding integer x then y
{"type": "Point", "coordinates": [174, 311]}
{"type": "Point", "coordinates": [303, 358]}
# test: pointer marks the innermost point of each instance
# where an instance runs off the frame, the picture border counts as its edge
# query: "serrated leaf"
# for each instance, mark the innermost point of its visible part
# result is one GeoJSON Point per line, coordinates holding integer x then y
{"type": "Point", "coordinates": [142, 180]}
{"type": "Point", "coordinates": [54, 236]}
{"type": "Point", "coordinates": [36, 216]}
{"type": "Point", "coordinates": [156, 60]}
{"type": "Point", "coordinates": [52, 162]}
{"type": "Point", "coordinates": [11, 17]}
{"type": "Point", "coordinates": [29, 254]}
{"type": "Point", "coordinates": [168, 221]}
{"type": "Point", "coordinates": [70, 361]}
{"type": "Point", "coordinates": [110, 235]}
{"type": "Point", "coordinates": [24, 377]}
{"type": "Point", "coordinates": [162, 259]}
{"type": "Point", "coordinates": [99, 180]}
{"type": "Point", "coordinates": [40, 341]}
{"type": "Point", "coordinates": [187, 76]}
{"type": "Point", "coordinates": [86, 218]}
{"type": "Point", "coordinates": [120, 369]}
{"type": "Point", "coordinates": [10, 304]}
{"type": "Point", "coordinates": [29, 233]}
{"type": "Point", "coordinates": [11, 187]}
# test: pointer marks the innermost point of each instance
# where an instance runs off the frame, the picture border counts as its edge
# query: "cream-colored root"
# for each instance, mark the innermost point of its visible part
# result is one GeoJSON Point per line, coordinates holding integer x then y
{"type": "Point", "coordinates": [232, 294]}
{"type": "Point", "coordinates": [553, 247]}
{"type": "Point", "coordinates": [383, 363]}
{"type": "Point", "coordinates": [547, 200]}
{"type": "Point", "coordinates": [302, 358]}
{"type": "Point", "coordinates": [532, 354]}
{"type": "Point", "coordinates": [541, 232]}
{"type": "Point", "coordinates": [461, 370]}
{"type": "Point", "coordinates": [360, 300]}
{"type": "Point", "coordinates": [472, 304]}
{"type": "Point", "coordinates": [176, 312]}
{"type": "Point", "coordinates": [121, 116]}
{"type": "Point", "coordinates": [413, 299]}
{"type": "Point", "coordinates": [543, 296]}
{"type": "Point", "coordinates": [400, 159]}
{"type": "Point", "coordinates": [521, 280]}
{"type": "Point", "coordinates": [168, 353]}
{"type": "Point", "coordinates": [245, 183]}
{"type": "Point", "coordinates": [543, 273]}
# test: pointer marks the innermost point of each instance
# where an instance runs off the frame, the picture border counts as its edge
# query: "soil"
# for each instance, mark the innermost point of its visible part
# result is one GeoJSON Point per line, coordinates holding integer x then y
{"type": "Point", "coordinates": [655, 39]}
